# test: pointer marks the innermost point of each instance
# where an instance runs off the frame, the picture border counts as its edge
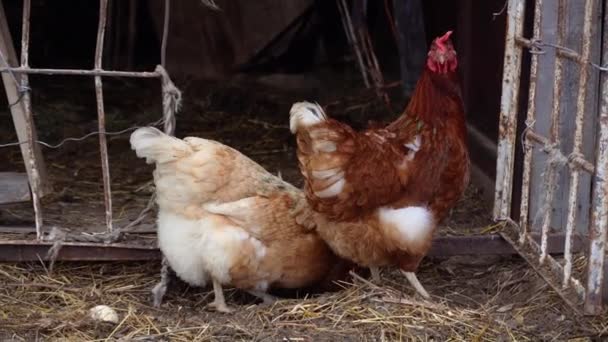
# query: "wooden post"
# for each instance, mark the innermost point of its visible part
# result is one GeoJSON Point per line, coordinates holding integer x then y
{"type": "Point", "coordinates": [17, 110]}
{"type": "Point", "coordinates": [411, 41]}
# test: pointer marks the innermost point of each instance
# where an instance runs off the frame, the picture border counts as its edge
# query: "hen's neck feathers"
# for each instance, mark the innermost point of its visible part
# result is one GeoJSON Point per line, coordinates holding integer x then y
{"type": "Point", "coordinates": [435, 97]}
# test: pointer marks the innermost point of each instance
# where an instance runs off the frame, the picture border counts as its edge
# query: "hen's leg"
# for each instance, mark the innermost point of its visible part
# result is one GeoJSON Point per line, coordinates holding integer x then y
{"type": "Point", "coordinates": [268, 299]}
{"type": "Point", "coordinates": [219, 303]}
{"type": "Point", "coordinates": [159, 290]}
{"type": "Point", "coordinates": [411, 277]}
{"type": "Point", "coordinates": [375, 273]}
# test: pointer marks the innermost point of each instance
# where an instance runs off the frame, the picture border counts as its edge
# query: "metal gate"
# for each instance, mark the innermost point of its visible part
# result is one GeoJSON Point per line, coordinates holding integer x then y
{"type": "Point", "coordinates": [15, 78]}
{"type": "Point", "coordinates": [563, 132]}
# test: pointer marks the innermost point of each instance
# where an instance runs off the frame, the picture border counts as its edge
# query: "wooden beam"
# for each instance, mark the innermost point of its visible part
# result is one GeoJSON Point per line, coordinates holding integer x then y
{"type": "Point", "coordinates": [443, 246]}
{"type": "Point", "coordinates": [17, 109]}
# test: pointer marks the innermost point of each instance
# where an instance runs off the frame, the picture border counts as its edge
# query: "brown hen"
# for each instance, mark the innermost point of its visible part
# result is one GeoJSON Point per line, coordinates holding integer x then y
{"type": "Point", "coordinates": [223, 219]}
{"type": "Point", "coordinates": [379, 194]}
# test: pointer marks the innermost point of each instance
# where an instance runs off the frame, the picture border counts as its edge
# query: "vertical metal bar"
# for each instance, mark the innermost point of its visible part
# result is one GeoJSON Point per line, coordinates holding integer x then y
{"type": "Point", "coordinates": [530, 118]}
{"type": "Point", "coordinates": [103, 145]}
{"type": "Point", "coordinates": [578, 139]}
{"type": "Point", "coordinates": [508, 111]}
{"type": "Point", "coordinates": [163, 47]}
{"type": "Point", "coordinates": [34, 176]}
{"type": "Point", "coordinates": [169, 126]}
{"type": "Point", "coordinates": [551, 169]}
{"type": "Point", "coordinates": [599, 218]}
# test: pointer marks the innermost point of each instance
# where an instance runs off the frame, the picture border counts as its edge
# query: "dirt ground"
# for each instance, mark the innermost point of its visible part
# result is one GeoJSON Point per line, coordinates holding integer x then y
{"type": "Point", "coordinates": [474, 298]}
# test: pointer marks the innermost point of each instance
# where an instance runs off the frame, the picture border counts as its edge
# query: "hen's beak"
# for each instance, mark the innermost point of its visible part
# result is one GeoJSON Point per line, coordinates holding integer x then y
{"type": "Point", "coordinates": [441, 59]}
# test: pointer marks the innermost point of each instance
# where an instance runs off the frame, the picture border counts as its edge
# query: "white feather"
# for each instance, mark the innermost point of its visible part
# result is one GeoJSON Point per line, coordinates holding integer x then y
{"type": "Point", "coordinates": [156, 146]}
{"type": "Point", "coordinates": [324, 146]}
{"type": "Point", "coordinates": [324, 174]}
{"type": "Point", "coordinates": [414, 224]}
{"type": "Point", "coordinates": [305, 114]}
{"type": "Point", "coordinates": [415, 144]}
{"type": "Point", "coordinates": [332, 190]}
{"type": "Point", "coordinates": [414, 147]}
{"type": "Point", "coordinates": [197, 249]}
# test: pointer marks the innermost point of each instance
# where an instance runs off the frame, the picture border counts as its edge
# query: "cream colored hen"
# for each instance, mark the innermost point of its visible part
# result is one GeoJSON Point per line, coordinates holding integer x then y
{"type": "Point", "coordinates": [224, 218]}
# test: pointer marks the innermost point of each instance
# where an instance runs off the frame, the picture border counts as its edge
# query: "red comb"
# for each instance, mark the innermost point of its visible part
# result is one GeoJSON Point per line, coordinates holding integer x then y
{"type": "Point", "coordinates": [441, 40]}
{"type": "Point", "coordinates": [445, 37]}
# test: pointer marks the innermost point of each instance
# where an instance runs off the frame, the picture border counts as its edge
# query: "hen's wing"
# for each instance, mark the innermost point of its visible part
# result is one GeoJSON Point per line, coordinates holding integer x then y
{"type": "Point", "coordinates": [282, 215]}
{"type": "Point", "coordinates": [349, 173]}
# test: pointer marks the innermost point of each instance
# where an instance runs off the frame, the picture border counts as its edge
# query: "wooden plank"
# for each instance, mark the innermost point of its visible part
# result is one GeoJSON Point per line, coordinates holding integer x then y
{"type": "Point", "coordinates": [17, 110]}
{"type": "Point", "coordinates": [411, 41]}
{"type": "Point", "coordinates": [17, 230]}
{"type": "Point", "coordinates": [211, 44]}
{"type": "Point", "coordinates": [443, 246]}
{"type": "Point", "coordinates": [14, 187]}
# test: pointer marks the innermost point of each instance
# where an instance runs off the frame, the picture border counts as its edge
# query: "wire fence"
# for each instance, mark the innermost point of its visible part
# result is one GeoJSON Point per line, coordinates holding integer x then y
{"type": "Point", "coordinates": [18, 75]}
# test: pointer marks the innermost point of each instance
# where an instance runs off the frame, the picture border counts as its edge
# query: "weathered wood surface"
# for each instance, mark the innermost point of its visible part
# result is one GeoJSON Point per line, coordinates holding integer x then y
{"type": "Point", "coordinates": [17, 110]}
{"type": "Point", "coordinates": [14, 187]}
{"type": "Point", "coordinates": [210, 44]}
{"type": "Point", "coordinates": [567, 97]}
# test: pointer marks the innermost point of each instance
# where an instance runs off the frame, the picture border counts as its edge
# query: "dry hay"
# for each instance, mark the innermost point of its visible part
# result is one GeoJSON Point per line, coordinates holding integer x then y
{"type": "Point", "coordinates": [488, 300]}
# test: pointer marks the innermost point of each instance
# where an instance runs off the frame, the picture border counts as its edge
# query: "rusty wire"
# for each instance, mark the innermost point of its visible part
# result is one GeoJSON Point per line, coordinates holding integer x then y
{"type": "Point", "coordinates": [20, 88]}
{"type": "Point", "coordinates": [535, 46]}
{"type": "Point", "coordinates": [500, 12]}
{"type": "Point", "coordinates": [81, 138]}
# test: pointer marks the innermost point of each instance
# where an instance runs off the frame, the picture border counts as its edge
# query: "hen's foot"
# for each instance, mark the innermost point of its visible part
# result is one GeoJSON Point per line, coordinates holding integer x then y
{"type": "Point", "coordinates": [411, 277]}
{"type": "Point", "coordinates": [220, 307]}
{"type": "Point", "coordinates": [268, 299]}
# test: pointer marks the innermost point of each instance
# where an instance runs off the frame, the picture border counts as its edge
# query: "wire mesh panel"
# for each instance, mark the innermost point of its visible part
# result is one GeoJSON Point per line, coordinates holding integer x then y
{"type": "Point", "coordinates": [18, 83]}
{"type": "Point", "coordinates": [564, 152]}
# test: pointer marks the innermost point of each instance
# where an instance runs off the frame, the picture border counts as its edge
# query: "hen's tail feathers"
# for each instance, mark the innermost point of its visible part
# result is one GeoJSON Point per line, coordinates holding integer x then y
{"type": "Point", "coordinates": [305, 114]}
{"type": "Point", "coordinates": [156, 146]}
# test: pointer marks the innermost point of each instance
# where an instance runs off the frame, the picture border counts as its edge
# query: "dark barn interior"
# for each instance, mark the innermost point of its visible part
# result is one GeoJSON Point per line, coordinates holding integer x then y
{"type": "Point", "coordinates": [240, 68]}
{"type": "Point", "coordinates": [302, 41]}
